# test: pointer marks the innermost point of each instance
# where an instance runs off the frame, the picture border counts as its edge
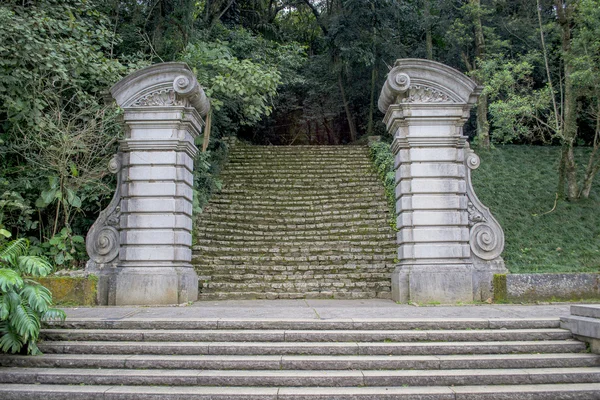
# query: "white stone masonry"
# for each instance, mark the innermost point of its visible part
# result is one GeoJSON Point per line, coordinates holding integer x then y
{"type": "Point", "coordinates": [449, 244]}
{"type": "Point", "coordinates": [140, 246]}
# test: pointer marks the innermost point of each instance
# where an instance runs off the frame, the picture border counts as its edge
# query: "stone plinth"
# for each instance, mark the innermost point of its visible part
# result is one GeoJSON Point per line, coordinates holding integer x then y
{"type": "Point", "coordinates": [141, 244]}
{"type": "Point", "coordinates": [449, 244]}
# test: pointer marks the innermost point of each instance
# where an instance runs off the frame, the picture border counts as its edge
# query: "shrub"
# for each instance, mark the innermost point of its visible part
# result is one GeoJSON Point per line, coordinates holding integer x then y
{"type": "Point", "coordinates": [24, 303]}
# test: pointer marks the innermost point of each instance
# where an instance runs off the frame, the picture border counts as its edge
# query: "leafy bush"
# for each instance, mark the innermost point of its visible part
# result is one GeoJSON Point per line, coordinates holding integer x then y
{"type": "Point", "coordinates": [24, 303]}
{"type": "Point", "coordinates": [383, 159]}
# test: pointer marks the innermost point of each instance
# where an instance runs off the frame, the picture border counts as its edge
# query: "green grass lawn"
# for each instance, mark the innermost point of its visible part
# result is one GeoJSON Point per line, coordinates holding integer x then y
{"type": "Point", "coordinates": [518, 184]}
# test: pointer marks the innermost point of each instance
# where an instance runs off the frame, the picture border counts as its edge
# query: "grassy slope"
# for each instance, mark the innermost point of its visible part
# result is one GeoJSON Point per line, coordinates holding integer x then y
{"type": "Point", "coordinates": [518, 184]}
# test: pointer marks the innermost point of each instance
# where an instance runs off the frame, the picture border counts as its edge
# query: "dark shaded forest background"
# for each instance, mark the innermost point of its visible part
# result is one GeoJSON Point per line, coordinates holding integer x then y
{"type": "Point", "coordinates": [278, 72]}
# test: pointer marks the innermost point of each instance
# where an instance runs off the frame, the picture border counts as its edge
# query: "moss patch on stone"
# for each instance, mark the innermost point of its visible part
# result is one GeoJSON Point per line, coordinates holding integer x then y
{"type": "Point", "coordinates": [67, 290]}
{"type": "Point", "coordinates": [499, 287]}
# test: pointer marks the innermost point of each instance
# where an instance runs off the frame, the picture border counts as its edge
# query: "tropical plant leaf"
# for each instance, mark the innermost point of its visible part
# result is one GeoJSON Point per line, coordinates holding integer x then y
{"type": "Point", "coordinates": [33, 349]}
{"type": "Point", "coordinates": [10, 342]}
{"type": "Point", "coordinates": [4, 308]}
{"type": "Point", "coordinates": [25, 322]}
{"type": "Point", "coordinates": [54, 314]}
{"type": "Point", "coordinates": [34, 265]}
{"type": "Point", "coordinates": [37, 296]}
{"type": "Point", "coordinates": [13, 249]}
{"type": "Point", "coordinates": [9, 280]}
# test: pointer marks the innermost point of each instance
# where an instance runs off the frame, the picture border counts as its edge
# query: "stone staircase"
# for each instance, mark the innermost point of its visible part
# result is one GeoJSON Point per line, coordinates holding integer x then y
{"type": "Point", "coordinates": [458, 359]}
{"type": "Point", "coordinates": [296, 222]}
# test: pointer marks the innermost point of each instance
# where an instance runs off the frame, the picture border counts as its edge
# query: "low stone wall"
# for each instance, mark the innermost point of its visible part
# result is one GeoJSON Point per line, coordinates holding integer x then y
{"type": "Point", "coordinates": [546, 287]}
{"type": "Point", "coordinates": [68, 290]}
{"type": "Point", "coordinates": [584, 323]}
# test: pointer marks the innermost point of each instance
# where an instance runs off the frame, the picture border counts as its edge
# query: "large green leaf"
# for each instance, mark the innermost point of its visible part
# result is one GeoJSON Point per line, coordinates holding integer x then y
{"type": "Point", "coordinates": [9, 280]}
{"type": "Point", "coordinates": [54, 314]}
{"type": "Point", "coordinates": [34, 265]}
{"type": "Point", "coordinates": [25, 322]}
{"type": "Point", "coordinates": [38, 297]}
{"type": "Point", "coordinates": [4, 308]}
{"type": "Point", "coordinates": [10, 342]}
{"type": "Point", "coordinates": [13, 249]}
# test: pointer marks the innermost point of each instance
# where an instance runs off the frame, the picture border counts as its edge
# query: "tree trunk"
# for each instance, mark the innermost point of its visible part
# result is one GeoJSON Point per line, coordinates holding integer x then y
{"type": "Point", "coordinates": [428, 36]}
{"type": "Point", "coordinates": [372, 102]}
{"type": "Point", "coordinates": [569, 130]}
{"type": "Point", "coordinates": [483, 125]}
{"type": "Point", "coordinates": [593, 163]}
{"type": "Point", "coordinates": [351, 125]}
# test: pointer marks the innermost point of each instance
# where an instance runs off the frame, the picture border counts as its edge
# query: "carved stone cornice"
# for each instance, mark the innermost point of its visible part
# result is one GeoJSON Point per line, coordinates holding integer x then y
{"type": "Point", "coordinates": [419, 81]}
{"type": "Point", "coordinates": [166, 84]}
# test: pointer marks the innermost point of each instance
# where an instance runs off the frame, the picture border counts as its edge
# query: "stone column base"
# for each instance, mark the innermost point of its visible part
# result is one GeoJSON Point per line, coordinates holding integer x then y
{"type": "Point", "coordinates": [483, 277]}
{"type": "Point", "coordinates": [147, 286]}
{"type": "Point", "coordinates": [443, 284]}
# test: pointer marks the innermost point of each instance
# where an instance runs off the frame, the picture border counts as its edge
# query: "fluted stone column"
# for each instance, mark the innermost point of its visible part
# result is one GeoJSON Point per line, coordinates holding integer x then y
{"type": "Point", "coordinates": [140, 246]}
{"type": "Point", "coordinates": [449, 244]}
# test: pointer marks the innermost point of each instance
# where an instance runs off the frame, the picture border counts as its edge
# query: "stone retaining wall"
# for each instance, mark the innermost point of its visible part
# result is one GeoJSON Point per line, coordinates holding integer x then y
{"type": "Point", "coordinates": [545, 287]}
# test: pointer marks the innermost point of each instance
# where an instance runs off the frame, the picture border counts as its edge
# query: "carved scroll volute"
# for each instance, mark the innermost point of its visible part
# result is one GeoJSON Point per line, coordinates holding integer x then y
{"type": "Point", "coordinates": [486, 234]}
{"type": "Point", "coordinates": [103, 238]}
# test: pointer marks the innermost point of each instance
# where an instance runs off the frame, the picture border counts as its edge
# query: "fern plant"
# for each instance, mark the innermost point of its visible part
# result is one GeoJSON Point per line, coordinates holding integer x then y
{"type": "Point", "coordinates": [24, 303]}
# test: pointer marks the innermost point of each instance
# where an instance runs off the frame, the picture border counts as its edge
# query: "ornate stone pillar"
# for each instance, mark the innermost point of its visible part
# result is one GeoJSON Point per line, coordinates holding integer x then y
{"type": "Point", "coordinates": [449, 244]}
{"type": "Point", "coordinates": [140, 246]}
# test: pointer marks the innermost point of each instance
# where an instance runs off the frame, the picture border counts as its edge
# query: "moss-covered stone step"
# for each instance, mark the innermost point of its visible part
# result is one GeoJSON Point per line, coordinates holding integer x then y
{"type": "Point", "coordinates": [290, 211]}
{"type": "Point", "coordinates": [366, 216]}
{"type": "Point", "coordinates": [240, 242]}
{"type": "Point", "coordinates": [358, 231]}
{"type": "Point", "coordinates": [313, 250]}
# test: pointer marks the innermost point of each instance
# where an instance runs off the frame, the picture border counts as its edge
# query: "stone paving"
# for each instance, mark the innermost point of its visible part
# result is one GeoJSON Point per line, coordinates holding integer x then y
{"type": "Point", "coordinates": [319, 309]}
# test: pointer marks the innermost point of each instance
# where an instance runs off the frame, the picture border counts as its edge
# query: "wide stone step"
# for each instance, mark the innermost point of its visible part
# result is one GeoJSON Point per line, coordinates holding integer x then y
{"type": "Point", "coordinates": [366, 217]}
{"type": "Point", "coordinates": [315, 249]}
{"type": "Point", "coordinates": [456, 377]}
{"type": "Point", "coordinates": [305, 362]}
{"type": "Point", "coordinates": [296, 211]}
{"type": "Point", "coordinates": [264, 294]}
{"type": "Point", "coordinates": [356, 231]}
{"type": "Point", "coordinates": [279, 348]}
{"type": "Point", "coordinates": [340, 259]}
{"type": "Point", "coordinates": [297, 203]}
{"type": "Point", "coordinates": [328, 273]}
{"type": "Point", "coordinates": [358, 240]}
{"type": "Point", "coordinates": [309, 324]}
{"type": "Point", "coordinates": [390, 337]}
{"type": "Point", "coordinates": [350, 226]}
{"type": "Point", "coordinates": [579, 391]}
{"type": "Point", "coordinates": [236, 171]}
{"type": "Point", "coordinates": [302, 181]}
{"type": "Point", "coordinates": [237, 241]}
{"type": "Point", "coordinates": [314, 187]}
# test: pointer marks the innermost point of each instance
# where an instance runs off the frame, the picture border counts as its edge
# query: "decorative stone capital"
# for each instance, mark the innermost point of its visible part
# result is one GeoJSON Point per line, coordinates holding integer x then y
{"type": "Point", "coordinates": [161, 85]}
{"type": "Point", "coordinates": [417, 81]}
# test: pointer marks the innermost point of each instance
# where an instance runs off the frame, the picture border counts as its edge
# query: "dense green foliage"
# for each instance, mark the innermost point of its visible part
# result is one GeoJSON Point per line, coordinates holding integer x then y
{"type": "Point", "coordinates": [278, 72]}
{"type": "Point", "coordinates": [383, 160]}
{"type": "Point", "coordinates": [517, 183]}
{"type": "Point", "coordinates": [24, 303]}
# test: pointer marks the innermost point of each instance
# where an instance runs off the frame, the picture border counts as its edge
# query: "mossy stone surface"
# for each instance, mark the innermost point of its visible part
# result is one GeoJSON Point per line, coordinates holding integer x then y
{"type": "Point", "coordinates": [67, 290]}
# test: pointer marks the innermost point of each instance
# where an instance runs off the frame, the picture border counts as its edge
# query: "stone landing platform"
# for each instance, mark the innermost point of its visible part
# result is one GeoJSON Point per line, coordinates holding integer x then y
{"type": "Point", "coordinates": [318, 309]}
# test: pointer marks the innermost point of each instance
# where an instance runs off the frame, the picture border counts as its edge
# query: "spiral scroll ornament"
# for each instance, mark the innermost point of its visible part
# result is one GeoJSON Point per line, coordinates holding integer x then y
{"type": "Point", "coordinates": [486, 243]}
{"type": "Point", "coordinates": [103, 239]}
{"type": "Point", "coordinates": [105, 245]}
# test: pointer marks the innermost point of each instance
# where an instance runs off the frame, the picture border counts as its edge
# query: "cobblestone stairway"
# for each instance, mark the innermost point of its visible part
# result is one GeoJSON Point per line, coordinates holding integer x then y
{"type": "Point", "coordinates": [296, 222]}
{"type": "Point", "coordinates": [453, 359]}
